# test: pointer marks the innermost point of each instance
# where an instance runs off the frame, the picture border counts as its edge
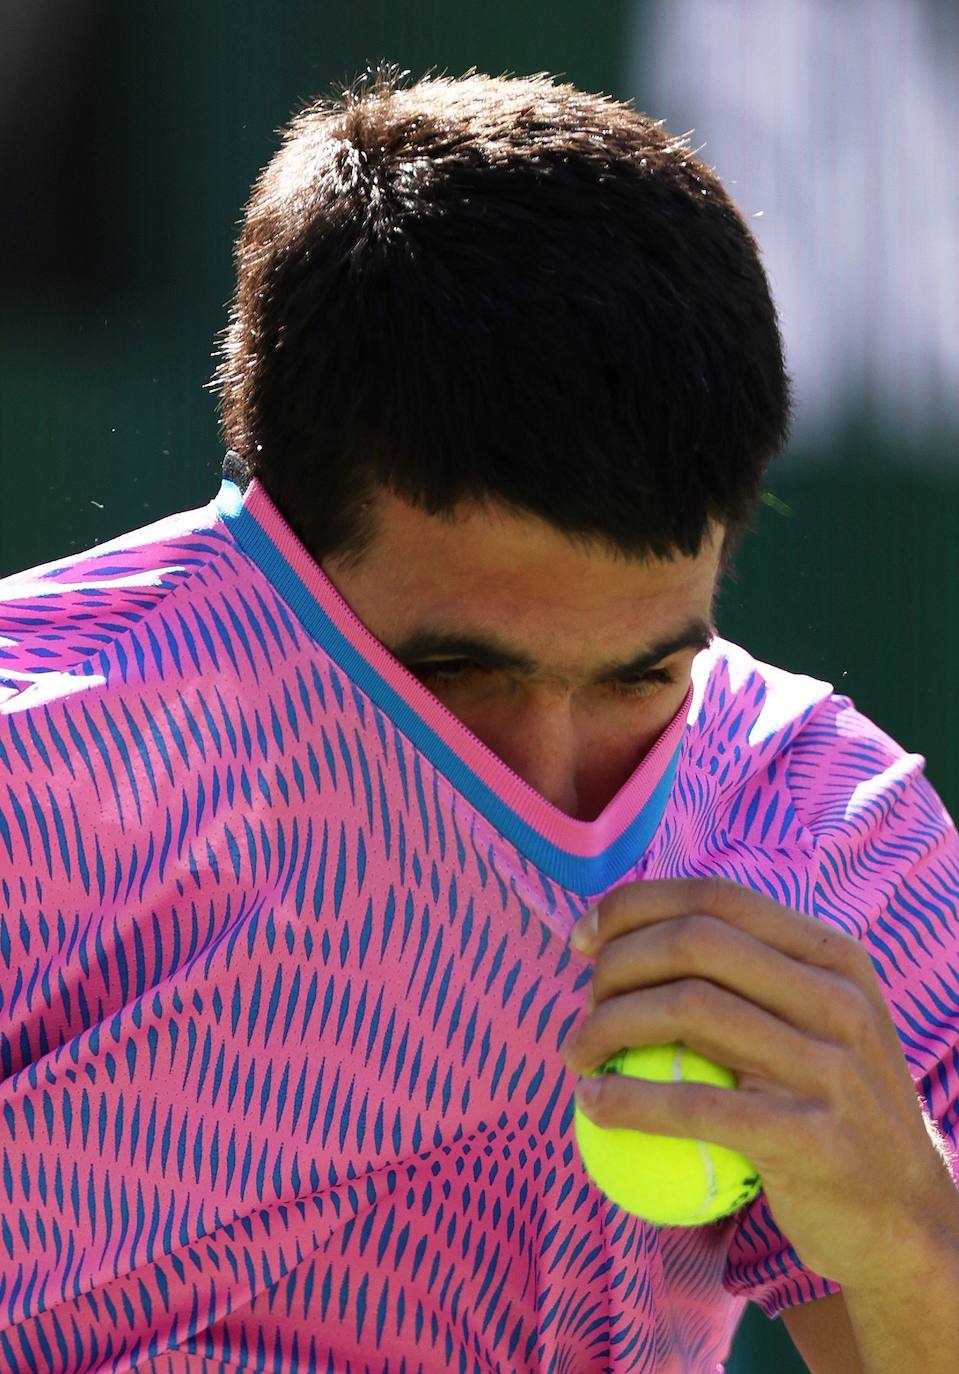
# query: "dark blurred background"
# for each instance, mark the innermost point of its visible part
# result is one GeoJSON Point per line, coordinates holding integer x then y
{"type": "Point", "coordinates": [129, 139]}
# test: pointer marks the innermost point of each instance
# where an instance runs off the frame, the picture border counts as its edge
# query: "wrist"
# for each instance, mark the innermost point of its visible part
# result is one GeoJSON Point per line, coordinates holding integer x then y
{"type": "Point", "coordinates": [922, 1247]}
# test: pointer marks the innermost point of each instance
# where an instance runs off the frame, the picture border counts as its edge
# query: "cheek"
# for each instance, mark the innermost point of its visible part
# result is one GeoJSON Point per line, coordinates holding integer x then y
{"type": "Point", "coordinates": [620, 738]}
{"type": "Point", "coordinates": [620, 733]}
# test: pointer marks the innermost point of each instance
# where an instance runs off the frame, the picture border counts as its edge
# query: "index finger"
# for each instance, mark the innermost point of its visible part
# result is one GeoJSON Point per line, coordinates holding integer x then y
{"type": "Point", "coordinates": [794, 933]}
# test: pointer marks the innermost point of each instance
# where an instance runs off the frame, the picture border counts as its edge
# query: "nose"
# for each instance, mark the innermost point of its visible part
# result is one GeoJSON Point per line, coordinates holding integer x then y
{"type": "Point", "coordinates": [538, 739]}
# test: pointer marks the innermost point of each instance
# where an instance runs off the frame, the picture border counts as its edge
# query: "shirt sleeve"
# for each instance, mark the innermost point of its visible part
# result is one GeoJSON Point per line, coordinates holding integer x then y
{"type": "Point", "coordinates": [886, 871]}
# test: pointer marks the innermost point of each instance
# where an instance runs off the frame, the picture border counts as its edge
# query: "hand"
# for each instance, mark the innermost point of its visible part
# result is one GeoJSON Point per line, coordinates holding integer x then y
{"type": "Point", "coordinates": [825, 1107]}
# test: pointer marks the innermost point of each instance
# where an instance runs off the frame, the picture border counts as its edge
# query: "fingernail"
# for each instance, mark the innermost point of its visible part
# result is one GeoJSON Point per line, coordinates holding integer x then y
{"type": "Point", "coordinates": [587, 1091]}
{"type": "Point", "coordinates": [584, 931]}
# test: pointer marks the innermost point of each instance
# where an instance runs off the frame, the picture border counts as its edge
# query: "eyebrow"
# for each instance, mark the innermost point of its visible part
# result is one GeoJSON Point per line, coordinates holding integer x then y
{"type": "Point", "coordinates": [489, 651]}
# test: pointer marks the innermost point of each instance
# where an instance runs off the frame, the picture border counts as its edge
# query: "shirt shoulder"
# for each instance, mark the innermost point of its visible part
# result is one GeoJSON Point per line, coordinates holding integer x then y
{"type": "Point", "coordinates": [68, 620]}
{"type": "Point", "coordinates": [759, 732]}
{"type": "Point", "coordinates": [745, 712]}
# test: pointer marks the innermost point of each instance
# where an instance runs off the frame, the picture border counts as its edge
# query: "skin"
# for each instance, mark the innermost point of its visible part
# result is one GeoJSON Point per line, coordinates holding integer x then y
{"type": "Point", "coordinates": [490, 571]}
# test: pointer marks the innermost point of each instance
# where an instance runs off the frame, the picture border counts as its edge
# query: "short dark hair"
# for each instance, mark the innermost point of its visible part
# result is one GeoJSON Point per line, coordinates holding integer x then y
{"type": "Point", "coordinates": [500, 289]}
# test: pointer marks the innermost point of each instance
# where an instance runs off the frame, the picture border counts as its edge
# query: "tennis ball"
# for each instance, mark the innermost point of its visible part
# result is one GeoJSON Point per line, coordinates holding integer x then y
{"type": "Point", "coordinates": [664, 1179]}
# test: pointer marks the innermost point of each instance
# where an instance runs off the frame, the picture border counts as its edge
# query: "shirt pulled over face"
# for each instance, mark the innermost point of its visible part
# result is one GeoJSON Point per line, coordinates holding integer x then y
{"type": "Point", "coordinates": [285, 975]}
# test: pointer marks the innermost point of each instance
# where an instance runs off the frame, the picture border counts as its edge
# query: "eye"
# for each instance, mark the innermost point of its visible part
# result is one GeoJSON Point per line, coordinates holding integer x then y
{"type": "Point", "coordinates": [454, 671]}
{"type": "Point", "coordinates": [643, 686]}
{"type": "Point", "coordinates": [445, 670]}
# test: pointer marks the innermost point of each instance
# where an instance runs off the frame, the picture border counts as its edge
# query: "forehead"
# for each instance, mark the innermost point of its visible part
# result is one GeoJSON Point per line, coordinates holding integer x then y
{"type": "Point", "coordinates": [489, 574]}
{"type": "Point", "coordinates": [510, 548]}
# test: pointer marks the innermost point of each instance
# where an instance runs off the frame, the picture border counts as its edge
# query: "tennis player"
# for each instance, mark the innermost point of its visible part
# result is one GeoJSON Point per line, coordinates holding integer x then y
{"type": "Point", "coordinates": [303, 793]}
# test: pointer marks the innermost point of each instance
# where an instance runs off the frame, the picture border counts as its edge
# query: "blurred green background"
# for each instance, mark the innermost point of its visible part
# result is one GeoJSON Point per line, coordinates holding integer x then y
{"type": "Point", "coordinates": [130, 137]}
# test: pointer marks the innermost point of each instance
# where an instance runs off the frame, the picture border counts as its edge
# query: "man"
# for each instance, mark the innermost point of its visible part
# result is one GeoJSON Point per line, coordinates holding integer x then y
{"type": "Point", "coordinates": [304, 791]}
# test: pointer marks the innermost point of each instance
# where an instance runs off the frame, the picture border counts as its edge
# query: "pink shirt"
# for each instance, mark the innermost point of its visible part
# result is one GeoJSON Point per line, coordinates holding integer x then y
{"type": "Point", "coordinates": [285, 973]}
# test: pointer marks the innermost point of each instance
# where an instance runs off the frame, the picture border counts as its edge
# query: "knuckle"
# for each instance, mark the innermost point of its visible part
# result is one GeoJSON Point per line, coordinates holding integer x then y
{"type": "Point", "coordinates": [858, 955]}
{"type": "Point", "coordinates": [707, 892]}
{"type": "Point", "coordinates": [832, 1076]}
{"type": "Point", "coordinates": [690, 996]}
{"type": "Point", "coordinates": [854, 1020]}
{"type": "Point", "coordinates": [673, 939]}
{"type": "Point", "coordinates": [689, 944]}
{"type": "Point", "coordinates": [701, 938]}
{"type": "Point", "coordinates": [844, 951]}
{"type": "Point", "coordinates": [829, 1068]}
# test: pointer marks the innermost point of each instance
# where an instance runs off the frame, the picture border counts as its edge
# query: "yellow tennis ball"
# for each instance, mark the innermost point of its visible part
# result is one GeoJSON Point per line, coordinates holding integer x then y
{"type": "Point", "coordinates": [665, 1179]}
